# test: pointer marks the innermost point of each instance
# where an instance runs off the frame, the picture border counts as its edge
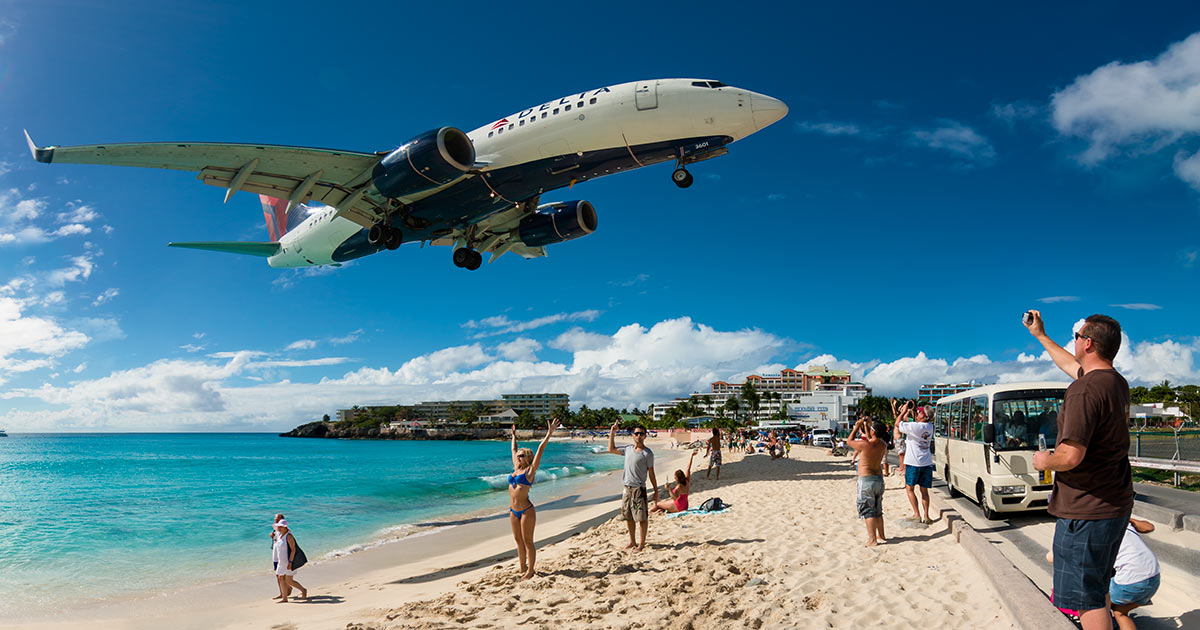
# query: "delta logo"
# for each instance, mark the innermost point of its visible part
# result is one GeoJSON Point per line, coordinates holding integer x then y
{"type": "Point", "coordinates": [501, 123]}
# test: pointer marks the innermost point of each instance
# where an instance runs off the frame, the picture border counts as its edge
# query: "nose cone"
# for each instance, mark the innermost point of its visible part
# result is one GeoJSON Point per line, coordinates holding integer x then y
{"type": "Point", "coordinates": [766, 110]}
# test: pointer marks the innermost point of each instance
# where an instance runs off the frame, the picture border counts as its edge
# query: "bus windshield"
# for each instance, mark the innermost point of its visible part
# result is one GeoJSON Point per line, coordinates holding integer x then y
{"type": "Point", "coordinates": [1020, 416]}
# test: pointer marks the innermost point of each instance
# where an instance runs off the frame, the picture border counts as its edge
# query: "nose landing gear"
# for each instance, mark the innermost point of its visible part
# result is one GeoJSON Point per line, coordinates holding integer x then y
{"type": "Point", "coordinates": [681, 177]}
{"type": "Point", "coordinates": [384, 235]}
{"type": "Point", "coordinates": [467, 258]}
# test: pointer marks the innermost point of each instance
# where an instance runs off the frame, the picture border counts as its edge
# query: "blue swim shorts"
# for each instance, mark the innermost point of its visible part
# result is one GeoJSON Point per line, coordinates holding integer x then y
{"type": "Point", "coordinates": [918, 476]}
{"type": "Point", "coordinates": [1084, 554]}
{"type": "Point", "coordinates": [1137, 593]}
{"type": "Point", "coordinates": [870, 496]}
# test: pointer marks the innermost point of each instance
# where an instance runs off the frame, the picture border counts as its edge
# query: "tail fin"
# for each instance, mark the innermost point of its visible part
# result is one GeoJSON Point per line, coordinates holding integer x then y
{"type": "Point", "coordinates": [275, 212]}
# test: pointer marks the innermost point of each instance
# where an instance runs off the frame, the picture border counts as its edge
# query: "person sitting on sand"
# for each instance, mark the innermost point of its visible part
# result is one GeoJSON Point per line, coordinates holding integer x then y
{"type": "Point", "coordinates": [523, 520]}
{"type": "Point", "coordinates": [713, 452]}
{"type": "Point", "coordinates": [872, 449]}
{"type": "Point", "coordinates": [679, 494]}
{"type": "Point", "coordinates": [639, 462]}
{"type": "Point", "coordinates": [284, 553]}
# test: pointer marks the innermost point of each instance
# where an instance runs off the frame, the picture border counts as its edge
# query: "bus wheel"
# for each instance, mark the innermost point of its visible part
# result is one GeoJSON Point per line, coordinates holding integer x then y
{"type": "Point", "coordinates": [988, 512]}
{"type": "Point", "coordinates": [950, 484]}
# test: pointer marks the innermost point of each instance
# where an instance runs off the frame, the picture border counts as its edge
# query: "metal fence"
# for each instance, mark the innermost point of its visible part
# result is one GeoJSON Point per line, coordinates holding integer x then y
{"type": "Point", "coordinates": [1184, 445]}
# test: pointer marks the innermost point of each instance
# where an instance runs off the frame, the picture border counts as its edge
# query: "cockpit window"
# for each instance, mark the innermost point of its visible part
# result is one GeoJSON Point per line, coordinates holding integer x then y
{"type": "Point", "coordinates": [708, 84]}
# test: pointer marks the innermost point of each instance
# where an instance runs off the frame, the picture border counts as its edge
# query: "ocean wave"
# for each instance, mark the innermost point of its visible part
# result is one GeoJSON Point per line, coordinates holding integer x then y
{"type": "Point", "coordinates": [550, 473]}
{"type": "Point", "coordinates": [385, 536]}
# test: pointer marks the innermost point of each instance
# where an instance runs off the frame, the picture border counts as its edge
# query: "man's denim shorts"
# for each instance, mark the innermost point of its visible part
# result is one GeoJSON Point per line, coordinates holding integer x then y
{"type": "Point", "coordinates": [1084, 554]}
{"type": "Point", "coordinates": [870, 496]}
{"type": "Point", "coordinates": [1137, 593]}
{"type": "Point", "coordinates": [918, 476]}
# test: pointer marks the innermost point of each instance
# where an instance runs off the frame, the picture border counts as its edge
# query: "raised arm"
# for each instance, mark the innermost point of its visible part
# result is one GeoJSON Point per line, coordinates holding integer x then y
{"type": "Point", "coordinates": [857, 445]}
{"type": "Point", "coordinates": [1063, 359]}
{"type": "Point", "coordinates": [612, 439]}
{"type": "Point", "coordinates": [688, 474]}
{"type": "Point", "coordinates": [513, 432]}
{"type": "Point", "coordinates": [537, 457]}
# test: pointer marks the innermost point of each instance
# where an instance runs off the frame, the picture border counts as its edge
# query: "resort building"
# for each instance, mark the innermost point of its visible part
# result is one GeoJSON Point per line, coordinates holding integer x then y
{"type": "Point", "coordinates": [930, 394]}
{"type": "Point", "coordinates": [844, 393]}
{"type": "Point", "coordinates": [540, 405]}
{"type": "Point", "coordinates": [831, 403]}
{"type": "Point", "coordinates": [787, 381]}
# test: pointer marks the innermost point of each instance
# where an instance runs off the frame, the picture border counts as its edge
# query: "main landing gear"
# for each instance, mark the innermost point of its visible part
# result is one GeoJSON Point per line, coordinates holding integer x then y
{"type": "Point", "coordinates": [467, 258]}
{"type": "Point", "coordinates": [384, 235]}
{"type": "Point", "coordinates": [681, 177]}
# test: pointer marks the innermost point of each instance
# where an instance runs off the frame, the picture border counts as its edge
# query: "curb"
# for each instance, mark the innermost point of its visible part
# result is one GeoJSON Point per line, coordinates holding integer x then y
{"type": "Point", "coordinates": [1158, 514]}
{"type": "Point", "coordinates": [1022, 599]}
{"type": "Point", "coordinates": [1191, 522]}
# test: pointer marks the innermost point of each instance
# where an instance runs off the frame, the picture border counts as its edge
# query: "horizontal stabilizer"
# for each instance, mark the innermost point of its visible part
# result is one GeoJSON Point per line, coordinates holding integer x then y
{"type": "Point", "coordinates": [249, 249]}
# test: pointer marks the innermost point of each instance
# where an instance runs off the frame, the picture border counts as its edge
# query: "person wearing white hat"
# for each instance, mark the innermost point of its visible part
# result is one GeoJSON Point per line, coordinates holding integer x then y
{"type": "Point", "coordinates": [284, 552]}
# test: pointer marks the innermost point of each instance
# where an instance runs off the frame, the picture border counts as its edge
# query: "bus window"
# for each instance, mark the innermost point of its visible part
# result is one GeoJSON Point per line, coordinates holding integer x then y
{"type": "Point", "coordinates": [939, 420]}
{"type": "Point", "coordinates": [1021, 416]}
{"type": "Point", "coordinates": [976, 412]}
{"type": "Point", "coordinates": [958, 420]}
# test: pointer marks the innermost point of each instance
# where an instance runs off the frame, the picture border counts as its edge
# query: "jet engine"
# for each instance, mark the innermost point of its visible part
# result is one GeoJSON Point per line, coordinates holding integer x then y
{"type": "Point", "coordinates": [557, 222]}
{"type": "Point", "coordinates": [432, 159]}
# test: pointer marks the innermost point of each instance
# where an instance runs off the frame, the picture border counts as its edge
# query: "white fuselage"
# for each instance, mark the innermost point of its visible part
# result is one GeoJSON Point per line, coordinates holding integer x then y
{"type": "Point", "coordinates": [628, 114]}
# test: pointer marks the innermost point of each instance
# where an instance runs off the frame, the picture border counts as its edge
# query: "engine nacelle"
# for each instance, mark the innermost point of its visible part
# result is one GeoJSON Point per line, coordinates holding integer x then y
{"type": "Point", "coordinates": [432, 159]}
{"type": "Point", "coordinates": [557, 222]}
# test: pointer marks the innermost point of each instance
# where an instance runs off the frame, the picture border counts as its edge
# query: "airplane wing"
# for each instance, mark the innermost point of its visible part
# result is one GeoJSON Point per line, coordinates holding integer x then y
{"type": "Point", "coordinates": [335, 178]}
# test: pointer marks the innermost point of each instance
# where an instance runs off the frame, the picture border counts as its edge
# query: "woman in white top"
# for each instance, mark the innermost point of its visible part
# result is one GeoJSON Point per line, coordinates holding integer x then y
{"type": "Point", "coordinates": [283, 552]}
{"type": "Point", "coordinates": [1136, 578]}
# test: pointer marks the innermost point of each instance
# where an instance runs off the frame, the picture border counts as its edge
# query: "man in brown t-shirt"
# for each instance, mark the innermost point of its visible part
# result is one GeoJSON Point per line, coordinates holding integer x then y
{"type": "Point", "coordinates": [1093, 486]}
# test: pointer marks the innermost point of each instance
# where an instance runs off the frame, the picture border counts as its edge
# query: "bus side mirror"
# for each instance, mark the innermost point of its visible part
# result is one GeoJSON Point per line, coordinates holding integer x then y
{"type": "Point", "coordinates": [989, 434]}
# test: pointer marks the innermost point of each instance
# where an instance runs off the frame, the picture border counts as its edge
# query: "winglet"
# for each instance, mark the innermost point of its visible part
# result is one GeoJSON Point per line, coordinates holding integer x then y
{"type": "Point", "coordinates": [45, 155]}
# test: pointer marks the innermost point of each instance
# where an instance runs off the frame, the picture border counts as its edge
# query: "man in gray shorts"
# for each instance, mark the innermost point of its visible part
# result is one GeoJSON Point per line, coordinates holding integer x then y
{"type": "Point", "coordinates": [872, 447]}
{"type": "Point", "coordinates": [639, 462]}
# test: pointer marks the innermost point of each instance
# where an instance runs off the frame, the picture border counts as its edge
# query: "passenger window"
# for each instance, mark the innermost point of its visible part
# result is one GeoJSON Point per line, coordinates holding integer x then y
{"type": "Point", "coordinates": [510, 126]}
{"type": "Point", "coordinates": [543, 114]}
{"type": "Point", "coordinates": [977, 413]}
{"type": "Point", "coordinates": [522, 123]}
{"type": "Point", "coordinates": [958, 422]}
{"type": "Point", "coordinates": [939, 421]}
{"type": "Point", "coordinates": [555, 111]}
{"type": "Point", "coordinates": [491, 133]}
{"type": "Point", "coordinates": [500, 130]}
{"type": "Point", "coordinates": [567, 108]}
{"type": "Point", "coordinates": [579, 104]}
{"type": "Point", "coordinates": [593, 101]}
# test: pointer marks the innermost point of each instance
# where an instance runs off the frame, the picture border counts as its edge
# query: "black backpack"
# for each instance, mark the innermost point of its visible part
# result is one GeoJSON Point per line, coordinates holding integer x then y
{"type": "Point", "coordinates": [300, 559]}
{"type": "Point", "coordinates": [712, 505]}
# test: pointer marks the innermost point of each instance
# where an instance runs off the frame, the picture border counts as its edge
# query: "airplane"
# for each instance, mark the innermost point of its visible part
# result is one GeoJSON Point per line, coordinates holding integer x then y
{"type": "Point", "coordinates": [479, 192]}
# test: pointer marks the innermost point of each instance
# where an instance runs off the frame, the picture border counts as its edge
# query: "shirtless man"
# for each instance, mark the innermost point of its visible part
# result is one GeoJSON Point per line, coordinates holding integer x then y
{"type": "Point", "coordinates": [872, 448]}
{"type": "Point", "coordinates": [713, 453]}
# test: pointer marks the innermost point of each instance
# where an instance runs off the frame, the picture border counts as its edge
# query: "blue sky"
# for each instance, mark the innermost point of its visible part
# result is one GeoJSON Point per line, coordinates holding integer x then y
{"type": "Point", "coordinates": [940, 171]}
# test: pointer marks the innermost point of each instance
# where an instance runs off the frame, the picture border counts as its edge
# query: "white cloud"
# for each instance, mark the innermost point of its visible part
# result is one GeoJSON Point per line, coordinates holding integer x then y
{"type": "Point", "coordinates": [19, 217]}
{"type": "Point", "coordinates": [519, 349]}
{"type": "Point", "coordinates": [1011, 113]}
{"type": "Point", "coordinates": [1136, 107]}
{"type": "Point", "coordinates": [22, 335]}
{"type": "Point", "coordinates": [577, 339]}
{"type": "Point", "coordinates": [1058, 298]}
{"type": "Point", "coordinates": [80, 269]}
{"type": "Point", "coordinates": [301, 344]}
{"type": "Point", "coordinates": [191, 347]}
{"type": "Point", "coordinates": [78, 214]}
{"type": "Point", "coordinates": [299, 363]}
{"type": "Point", "coordinates": [1138, 307]}
{"type": "Point", "coordinates": [829, 128]}
{"type": "Point", "coordinates": [957, 138]}
{"type": "Point", "coordinates": [641, 277]}
{"type": "Point", "coordinates": [351, 337]}
{"type": "Point", "coordinates": [501, 324]}
{"type": "Point", "coordinates": [107, 295]}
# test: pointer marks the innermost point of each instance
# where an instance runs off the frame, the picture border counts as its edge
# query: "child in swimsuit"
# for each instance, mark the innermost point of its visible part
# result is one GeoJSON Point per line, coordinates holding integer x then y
{"type": "Point", "coordinates": [679, 494]}
{"type": "Point", "coordinates": [523, 520]}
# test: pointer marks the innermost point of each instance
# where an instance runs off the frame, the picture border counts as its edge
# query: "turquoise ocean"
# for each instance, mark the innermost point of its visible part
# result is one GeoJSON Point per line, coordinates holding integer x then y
{"type": "Point", "coordinates": [91, 517]}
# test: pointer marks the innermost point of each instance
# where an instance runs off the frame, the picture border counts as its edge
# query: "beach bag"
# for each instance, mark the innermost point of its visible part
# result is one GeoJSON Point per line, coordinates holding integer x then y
{"type": "Point", "coordinates": [300, 559]}
{"type": "Point", "coordinates": [712, 505]}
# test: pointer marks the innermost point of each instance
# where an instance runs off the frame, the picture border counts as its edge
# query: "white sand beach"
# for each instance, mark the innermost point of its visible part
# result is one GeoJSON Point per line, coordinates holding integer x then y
{"type": "Point", "coordinates": [789, 553]}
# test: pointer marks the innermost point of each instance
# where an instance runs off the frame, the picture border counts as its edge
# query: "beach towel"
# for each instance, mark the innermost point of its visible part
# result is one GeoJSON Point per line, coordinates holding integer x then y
{"type": "Point", "coordinates": [700, 512]}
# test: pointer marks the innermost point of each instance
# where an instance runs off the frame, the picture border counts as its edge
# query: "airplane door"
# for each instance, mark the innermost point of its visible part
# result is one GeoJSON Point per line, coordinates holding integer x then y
{"type": "Point", "coordinates": [646, 95]}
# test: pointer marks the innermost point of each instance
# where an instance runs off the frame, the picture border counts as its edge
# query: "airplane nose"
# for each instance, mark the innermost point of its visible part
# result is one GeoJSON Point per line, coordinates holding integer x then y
{"type": "Point", "coordinates": [766, 110]}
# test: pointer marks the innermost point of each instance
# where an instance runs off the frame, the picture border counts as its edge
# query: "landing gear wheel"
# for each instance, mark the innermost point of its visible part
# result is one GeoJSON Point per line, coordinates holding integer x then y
{"type": "Point", "coordinates": [461, 256]}
{"type": "Point", "coordinates": [682, 178]}
{"type": "Point", "coordinates": [988, 512]}
{"type": "Point", "coordinates": [474, 262]}
{"type": "Point", "coordinates": [393, 239]}
{"type": "Point", "coordinates": [377, 234]}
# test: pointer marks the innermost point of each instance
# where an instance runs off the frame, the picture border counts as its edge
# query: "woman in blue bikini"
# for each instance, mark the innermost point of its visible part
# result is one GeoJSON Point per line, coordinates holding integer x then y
{"type": "Point", "coordinates": [521, 514]}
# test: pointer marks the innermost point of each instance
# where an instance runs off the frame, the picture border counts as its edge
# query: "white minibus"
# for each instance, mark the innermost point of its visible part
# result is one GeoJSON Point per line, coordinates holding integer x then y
{"type": "Point", "coordinates": [985, 438]}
